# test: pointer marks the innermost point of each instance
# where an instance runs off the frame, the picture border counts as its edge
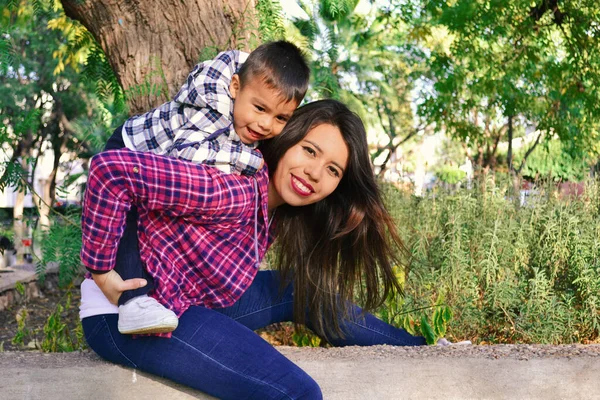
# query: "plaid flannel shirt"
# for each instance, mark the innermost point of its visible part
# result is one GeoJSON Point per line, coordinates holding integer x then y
{"type": "Point", "coordinates": [202, 232]}
{"type": "Point", "coordinates": [197, 125]}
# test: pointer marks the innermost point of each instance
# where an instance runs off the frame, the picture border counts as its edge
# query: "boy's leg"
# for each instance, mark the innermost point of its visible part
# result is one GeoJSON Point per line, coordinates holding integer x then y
{"type": "Point", "coordinates": [209, 352]}
{"type": "Point", "coordinates": [138, 313]}
{"type": "Point", "coordinates": [129, 263]}
{"type": "Point", "coordinates": [262, 305]}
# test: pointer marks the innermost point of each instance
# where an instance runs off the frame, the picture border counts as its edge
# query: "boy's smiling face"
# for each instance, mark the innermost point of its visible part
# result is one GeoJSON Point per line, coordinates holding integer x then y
{"type": "Point", "coordinates": [259, 112]}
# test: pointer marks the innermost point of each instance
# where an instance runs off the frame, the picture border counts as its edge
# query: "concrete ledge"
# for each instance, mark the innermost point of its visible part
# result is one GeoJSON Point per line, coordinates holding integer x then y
{"type": "Point", "coordinates": [26, 275]}
{"type": "Point", "coordinates": [378, 372]}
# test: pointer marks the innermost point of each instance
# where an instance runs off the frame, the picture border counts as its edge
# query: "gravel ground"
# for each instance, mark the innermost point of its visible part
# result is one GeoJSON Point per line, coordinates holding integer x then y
{"type": "Point", "coordinates": [521, 352]}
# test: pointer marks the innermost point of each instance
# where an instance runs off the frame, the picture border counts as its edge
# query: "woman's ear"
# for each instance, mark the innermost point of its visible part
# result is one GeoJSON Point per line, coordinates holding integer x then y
{"type": "Point", "coordinates": [235, 86]}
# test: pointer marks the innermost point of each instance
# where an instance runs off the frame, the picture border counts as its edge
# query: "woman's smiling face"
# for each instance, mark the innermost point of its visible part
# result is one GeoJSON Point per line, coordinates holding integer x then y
{"type": "Point", "coordinates": [311, 169]}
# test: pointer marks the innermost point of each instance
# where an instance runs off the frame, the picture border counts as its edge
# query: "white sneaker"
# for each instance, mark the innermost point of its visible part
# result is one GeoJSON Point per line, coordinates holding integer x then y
{"type": "Point", "coordinates": [443, 342]}
{"type": "Point", "coordinates": [144, 314]}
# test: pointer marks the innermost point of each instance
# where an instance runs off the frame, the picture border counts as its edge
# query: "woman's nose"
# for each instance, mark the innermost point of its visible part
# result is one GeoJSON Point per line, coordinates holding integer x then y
{"type": "Point", "coordinates": [314, 171]}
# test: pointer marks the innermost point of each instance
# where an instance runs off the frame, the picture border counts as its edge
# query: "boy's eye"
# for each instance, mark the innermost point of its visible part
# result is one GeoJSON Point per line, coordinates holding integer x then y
{"type": "Point", "coordinates": [259, 108]}
{"type": "Point", "coordinates": [282, 119]}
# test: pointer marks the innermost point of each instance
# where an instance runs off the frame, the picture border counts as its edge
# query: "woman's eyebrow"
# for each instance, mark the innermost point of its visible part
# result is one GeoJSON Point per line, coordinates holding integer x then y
{"type": "Point", "coordinates": [321, 151]}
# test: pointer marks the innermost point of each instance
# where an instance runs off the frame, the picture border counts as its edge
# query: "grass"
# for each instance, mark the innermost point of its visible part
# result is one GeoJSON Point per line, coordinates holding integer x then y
{"type": "Point", "coordinates": [505, 272]}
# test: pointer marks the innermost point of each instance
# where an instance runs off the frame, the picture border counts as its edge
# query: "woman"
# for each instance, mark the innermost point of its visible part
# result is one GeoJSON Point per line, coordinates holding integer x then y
{"type": "Point", "coordinates": [333, 239]}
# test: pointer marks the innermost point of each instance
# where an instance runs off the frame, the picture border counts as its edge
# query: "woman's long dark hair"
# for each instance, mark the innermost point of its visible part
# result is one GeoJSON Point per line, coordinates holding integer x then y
{"type": "Point", "coordinates": [343, 247]}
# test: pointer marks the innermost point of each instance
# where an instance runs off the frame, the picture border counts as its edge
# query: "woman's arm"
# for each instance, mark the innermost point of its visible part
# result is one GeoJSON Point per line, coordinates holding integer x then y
{"type": "Point", "coordinates": [120, 178]}
{"type": "Point", "coordinates": [112, 285]}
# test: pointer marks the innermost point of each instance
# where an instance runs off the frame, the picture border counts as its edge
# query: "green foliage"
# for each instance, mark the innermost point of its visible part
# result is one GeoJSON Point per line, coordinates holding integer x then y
{"type": "Point", "coordinates": [337, 10]}
{"type": "Point", "coordinates": [61, 245]}
{"type": "Point", "coordinates": [365, 59]}
{"type": "Point", "coordinates": [494, 60]}
{"type": "Point", "coordinates": [305, 338]}
{"type": "Point", "coordinates": [487, 269]}
{"type": "Point", "coordinates": [270, 20]}
{"type": "Point", "coordinates": [554, 160]}
{"type": "Point", "coordinates": [23, 334]}
{"type": "Point", "coordinates": [20, 288]}
{"type": "Point", "coordinates": [59, 94]}
{"type": "Point", "coordinates": [450, 174]}
{"type": "Point", "coordinates": [57, 336]}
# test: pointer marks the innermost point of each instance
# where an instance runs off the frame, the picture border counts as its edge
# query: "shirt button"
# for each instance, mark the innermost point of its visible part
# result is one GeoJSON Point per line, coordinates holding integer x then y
{"type": "Point", "coordinates": [136, 170]}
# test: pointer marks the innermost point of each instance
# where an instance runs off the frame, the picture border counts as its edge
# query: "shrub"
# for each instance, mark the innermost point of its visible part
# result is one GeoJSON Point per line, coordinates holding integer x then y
{"type": "Point", "coordinates": [508, 273]}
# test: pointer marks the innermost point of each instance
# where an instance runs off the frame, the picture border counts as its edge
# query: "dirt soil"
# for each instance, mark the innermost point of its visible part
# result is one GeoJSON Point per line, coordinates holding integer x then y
{"type": "Point", "coordinates": [35, 312]}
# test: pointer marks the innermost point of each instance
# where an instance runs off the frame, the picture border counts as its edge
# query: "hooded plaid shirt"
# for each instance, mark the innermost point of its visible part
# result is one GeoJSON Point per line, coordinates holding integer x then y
{"type": "Point", "coordinates": [197, 125]}
{"type": "Point", "coordinates": [202, 232]}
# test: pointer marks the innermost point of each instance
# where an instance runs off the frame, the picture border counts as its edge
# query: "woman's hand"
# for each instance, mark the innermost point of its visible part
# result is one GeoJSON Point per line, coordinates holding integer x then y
{"type": "Point", "coordinates": [112, 285]}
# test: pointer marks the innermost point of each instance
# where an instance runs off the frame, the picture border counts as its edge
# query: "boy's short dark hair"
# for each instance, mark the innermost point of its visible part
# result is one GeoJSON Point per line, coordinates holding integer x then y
{"type": "Point", "coordinates": [281, 65]}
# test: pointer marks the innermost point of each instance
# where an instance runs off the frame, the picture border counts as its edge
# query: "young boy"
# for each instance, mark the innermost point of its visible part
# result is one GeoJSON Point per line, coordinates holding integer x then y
{"type": "Point", "coordinates": [225, 107]}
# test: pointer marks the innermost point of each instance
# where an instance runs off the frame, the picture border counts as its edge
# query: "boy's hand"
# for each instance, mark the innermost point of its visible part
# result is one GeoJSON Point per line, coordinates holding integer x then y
{"type": "Point", "coordinates": [248, 162]}
{"type": "Point", "coordinates": [112, 285]}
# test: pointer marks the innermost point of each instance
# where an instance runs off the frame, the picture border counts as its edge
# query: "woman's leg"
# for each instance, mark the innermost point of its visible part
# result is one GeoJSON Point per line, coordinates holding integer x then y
{"type": "Point", "coordinates": [262, 305]}
{"type": "Point", "coordinates": [209, 352]}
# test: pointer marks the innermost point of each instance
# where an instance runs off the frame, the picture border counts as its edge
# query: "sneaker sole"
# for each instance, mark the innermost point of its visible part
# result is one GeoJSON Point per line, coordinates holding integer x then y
{"type": "Point", "coordinates": [164, 328]}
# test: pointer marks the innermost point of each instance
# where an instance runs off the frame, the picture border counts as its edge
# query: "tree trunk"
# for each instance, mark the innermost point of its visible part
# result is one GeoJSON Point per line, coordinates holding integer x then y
{"type": "Point", "coordinates": [19, 223]}
{"type": "Point", "coordinates": [153, 44]}
{"type": "Point", "coordinates": [509, 157]}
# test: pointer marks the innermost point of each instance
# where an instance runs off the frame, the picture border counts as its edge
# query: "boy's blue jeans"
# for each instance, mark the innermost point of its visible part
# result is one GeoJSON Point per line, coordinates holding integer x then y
{"type": "Point", "coordinates": [217, 352]}
{"type": "Point", "coordinates": [129, 264]}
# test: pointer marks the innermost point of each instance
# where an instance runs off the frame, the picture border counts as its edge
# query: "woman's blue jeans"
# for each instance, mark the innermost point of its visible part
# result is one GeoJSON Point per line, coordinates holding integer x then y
{"type": "Point", "coordinates": [217, 352]}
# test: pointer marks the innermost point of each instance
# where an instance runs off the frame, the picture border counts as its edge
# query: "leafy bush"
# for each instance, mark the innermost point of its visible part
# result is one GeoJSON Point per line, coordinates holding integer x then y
{"type": "Point", "coordinates": [554, 160]}
{"type": "Point", "coordinates": [507, 273]}
{"type": "Point", "coordinates": [450, 174]}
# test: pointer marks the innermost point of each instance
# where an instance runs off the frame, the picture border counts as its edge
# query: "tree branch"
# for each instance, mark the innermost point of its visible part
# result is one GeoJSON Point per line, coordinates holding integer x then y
{"type": "Point", "coordinates": [529, 151]}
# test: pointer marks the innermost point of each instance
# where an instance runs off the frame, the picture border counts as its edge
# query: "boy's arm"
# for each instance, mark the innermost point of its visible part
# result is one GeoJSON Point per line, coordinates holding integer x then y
{"type": "Point", "coordinates": [120, 178]}
{"type": "Point", "coordinates": [223, 150]}
{"type": "Point", "coordinates": [209, 137]}
{"type": "Point", "coordinates": [248, 161]}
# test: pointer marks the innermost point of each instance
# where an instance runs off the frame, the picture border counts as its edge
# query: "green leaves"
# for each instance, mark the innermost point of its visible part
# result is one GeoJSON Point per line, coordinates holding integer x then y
{"type": "Point", "coordinates": [511, 59]}
{"type": "Point", "coordinates": [270, 20]}
{"type": "Point", "coordinates": [427, 331]}
{"type": "Point", "coordinates": [61, 245]}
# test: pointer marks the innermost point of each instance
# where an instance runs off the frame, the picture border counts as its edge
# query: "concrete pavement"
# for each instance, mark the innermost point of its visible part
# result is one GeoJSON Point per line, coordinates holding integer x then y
{"type": "Point", "coordinates": [378, 372]}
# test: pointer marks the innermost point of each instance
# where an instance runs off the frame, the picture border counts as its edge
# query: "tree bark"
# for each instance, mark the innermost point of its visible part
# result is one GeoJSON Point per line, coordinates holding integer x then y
{"type": "Point", "coordinates": [19, 224]}
{"type": "Point", "coordinates": [153, 44]}
{"type": "Point", "coordinates": [509, 157]}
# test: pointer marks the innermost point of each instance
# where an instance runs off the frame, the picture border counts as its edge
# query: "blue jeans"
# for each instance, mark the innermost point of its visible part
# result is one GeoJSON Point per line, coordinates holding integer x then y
{"type": "Point", "coordinates": [129, 263]}
{"type": "Point", "coordinates": [217, 352]}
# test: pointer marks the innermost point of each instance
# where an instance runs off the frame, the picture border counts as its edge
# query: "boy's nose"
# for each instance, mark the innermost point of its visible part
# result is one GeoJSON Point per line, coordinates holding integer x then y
{"type": "Point", "coordinates": [265, 123]}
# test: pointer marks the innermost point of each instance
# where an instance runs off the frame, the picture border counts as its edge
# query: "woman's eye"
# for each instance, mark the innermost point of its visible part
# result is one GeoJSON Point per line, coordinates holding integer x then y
{"type": "Point", "coordinates": [335, 172]}
{"type": "Point", "coordinates": [309, 150]}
